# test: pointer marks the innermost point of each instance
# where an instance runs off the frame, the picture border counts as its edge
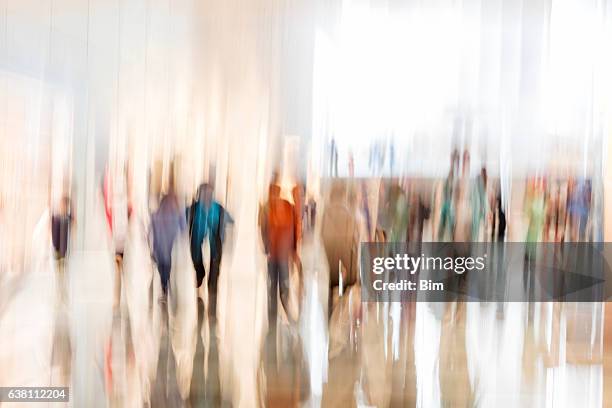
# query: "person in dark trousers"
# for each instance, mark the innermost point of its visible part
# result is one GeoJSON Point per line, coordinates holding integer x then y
{"type": "Point", "coordinates": [166, 223]}
{"type": "Point", "coordinates": [419, 213]}
{"type": "Point", "coordinates": [501, 219]}
{"type": "Point", "coordinates": [278, 230]}
{"type": "Point", "coordinates": [207, 218]}
{"type": "Point", "coordinates": [61, 223]}
{"type": "Point", "coordinates": [196, 217]}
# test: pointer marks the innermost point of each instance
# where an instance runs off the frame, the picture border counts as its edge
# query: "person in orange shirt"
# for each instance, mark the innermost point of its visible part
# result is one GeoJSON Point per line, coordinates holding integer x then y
{"type": "Point", "coordinates": [279, 232]}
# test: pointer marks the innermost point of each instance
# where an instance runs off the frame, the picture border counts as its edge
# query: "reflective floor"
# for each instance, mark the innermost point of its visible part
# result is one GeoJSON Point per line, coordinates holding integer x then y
{"type": "Point", "coordinates": [145, 351]}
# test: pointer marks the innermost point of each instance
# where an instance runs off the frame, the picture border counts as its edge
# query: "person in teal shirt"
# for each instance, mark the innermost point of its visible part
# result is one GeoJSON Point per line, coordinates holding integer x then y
{"type": "Point", "coordinates": [207, 219]}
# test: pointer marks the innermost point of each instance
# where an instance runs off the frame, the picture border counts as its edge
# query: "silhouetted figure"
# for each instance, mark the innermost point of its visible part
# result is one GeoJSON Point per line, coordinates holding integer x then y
{"type": "Point", "coordinates": [166, 223]}
{"type": "Point", "coordinates": [333, 159]}
{"type": "Point", "coordinates": [278, 229]}
{"type": "Point", "coordinates": [446, 224]}
{"type": "Point", "coordinates": [578, 208]}
{"type": "Point", "coordinates": [340, 236]}
{"type": "Point", "coordinates": [117, 208]}
{"type": "Point", "coordinates": [207, 219]}
{"type": "Point", "coordinates": [419, 212]}
{"type": "Point", "coordinates": [61, 223]}
{"type": "Point", "coordinates": [198, 228]}
{"type": "Point", "coordinates": [501, 219]}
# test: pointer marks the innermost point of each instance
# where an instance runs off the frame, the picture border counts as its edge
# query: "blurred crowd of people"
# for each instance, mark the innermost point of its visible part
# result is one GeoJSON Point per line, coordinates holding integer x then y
{"type": "Point", "coordinates": [301, 230]}
{"type": "Point", "coordinates": [558, 210]}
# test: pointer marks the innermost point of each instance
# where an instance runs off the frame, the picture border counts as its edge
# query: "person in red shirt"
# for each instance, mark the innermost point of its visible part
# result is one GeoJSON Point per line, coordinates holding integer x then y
{"type": "Point", "coordinates": [279, 232]}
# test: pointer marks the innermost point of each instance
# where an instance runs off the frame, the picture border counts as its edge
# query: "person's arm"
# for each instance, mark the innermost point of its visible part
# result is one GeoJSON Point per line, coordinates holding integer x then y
{"type": "Point", "coordinates": [223, 219]}
{"type": "Point", "coordinates": [296, 230]}
{"type": "Point", "coordinates": [182, 221]}
{"type": "Point", "coordinates": [227, 218]}
{"type": "Point", "coordinates": [260, 224]}
{"type": "Point", "coordinates": [298, 211]}
{"type": "Point", "coordinates": [72, 213]}
{"type": "Point", "coordinates": [263, 227]}
{"type": "Point", "coordinates": [151, 240]}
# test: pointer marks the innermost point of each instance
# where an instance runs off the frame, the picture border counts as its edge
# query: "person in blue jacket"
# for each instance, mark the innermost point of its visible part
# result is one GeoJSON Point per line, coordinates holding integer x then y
{"type": "Point", "coordinates": [207, 219]}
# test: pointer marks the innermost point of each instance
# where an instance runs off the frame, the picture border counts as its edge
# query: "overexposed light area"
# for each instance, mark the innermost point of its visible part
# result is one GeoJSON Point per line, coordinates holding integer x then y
{"type": "Point", "coordinates": [467, 75]}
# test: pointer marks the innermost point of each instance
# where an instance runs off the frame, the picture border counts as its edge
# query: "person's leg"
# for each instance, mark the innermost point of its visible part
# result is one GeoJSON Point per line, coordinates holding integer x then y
{"type": "Point", "coordinates": [213, 278]}
{"type": "Point", "coordinates": [300, 289]}
{"type": "Point", "coordinates": [164, 274]}
{"type": "Point", "coordinates": [118, 277]}
{"type": "Point", "coordinates": [582, 236]}
{"type": "Point", "coordinates": [61, 278]}
{"type": "Point", "coordinates": [272, 311]}
{"type": "Point", "coordinates": [198, 263]}
{"type": "Point", "coordinates": [283, 283]}
{"type": "Point", "coordinates": [272, 293]}
{"type": "Point", "coordinates": [200, 272]}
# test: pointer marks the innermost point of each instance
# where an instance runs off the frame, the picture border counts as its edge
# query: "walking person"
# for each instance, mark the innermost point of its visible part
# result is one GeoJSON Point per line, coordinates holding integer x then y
{"type": "Point", "coordinates": [279, 231]}
{"type": "Point", "coordinates": [340, 237]}
{"type": "Point", "coordinates": [61, 225]}
{"type": "Point", "coordinates": [196, 217]}
{"type": "Point", "coordinates": [207, 219]}
{"type": "Point", "coordinates": [117, 208]}
{"type": "Point", "coordinates": [62, 222]}
{"type": "Point", "coordinates": [446, 223]}
{"type": "Point", "coordinates": [166, 223]}
{"type": "Point", "coordinates": [578, 208]}
{"type": "Point", "coordinates": [500, 216]}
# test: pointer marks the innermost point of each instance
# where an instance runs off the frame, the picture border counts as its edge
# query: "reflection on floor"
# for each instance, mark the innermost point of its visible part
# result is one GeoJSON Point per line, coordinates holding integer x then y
{"type": "Point", "coordinates": [159, 353]}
